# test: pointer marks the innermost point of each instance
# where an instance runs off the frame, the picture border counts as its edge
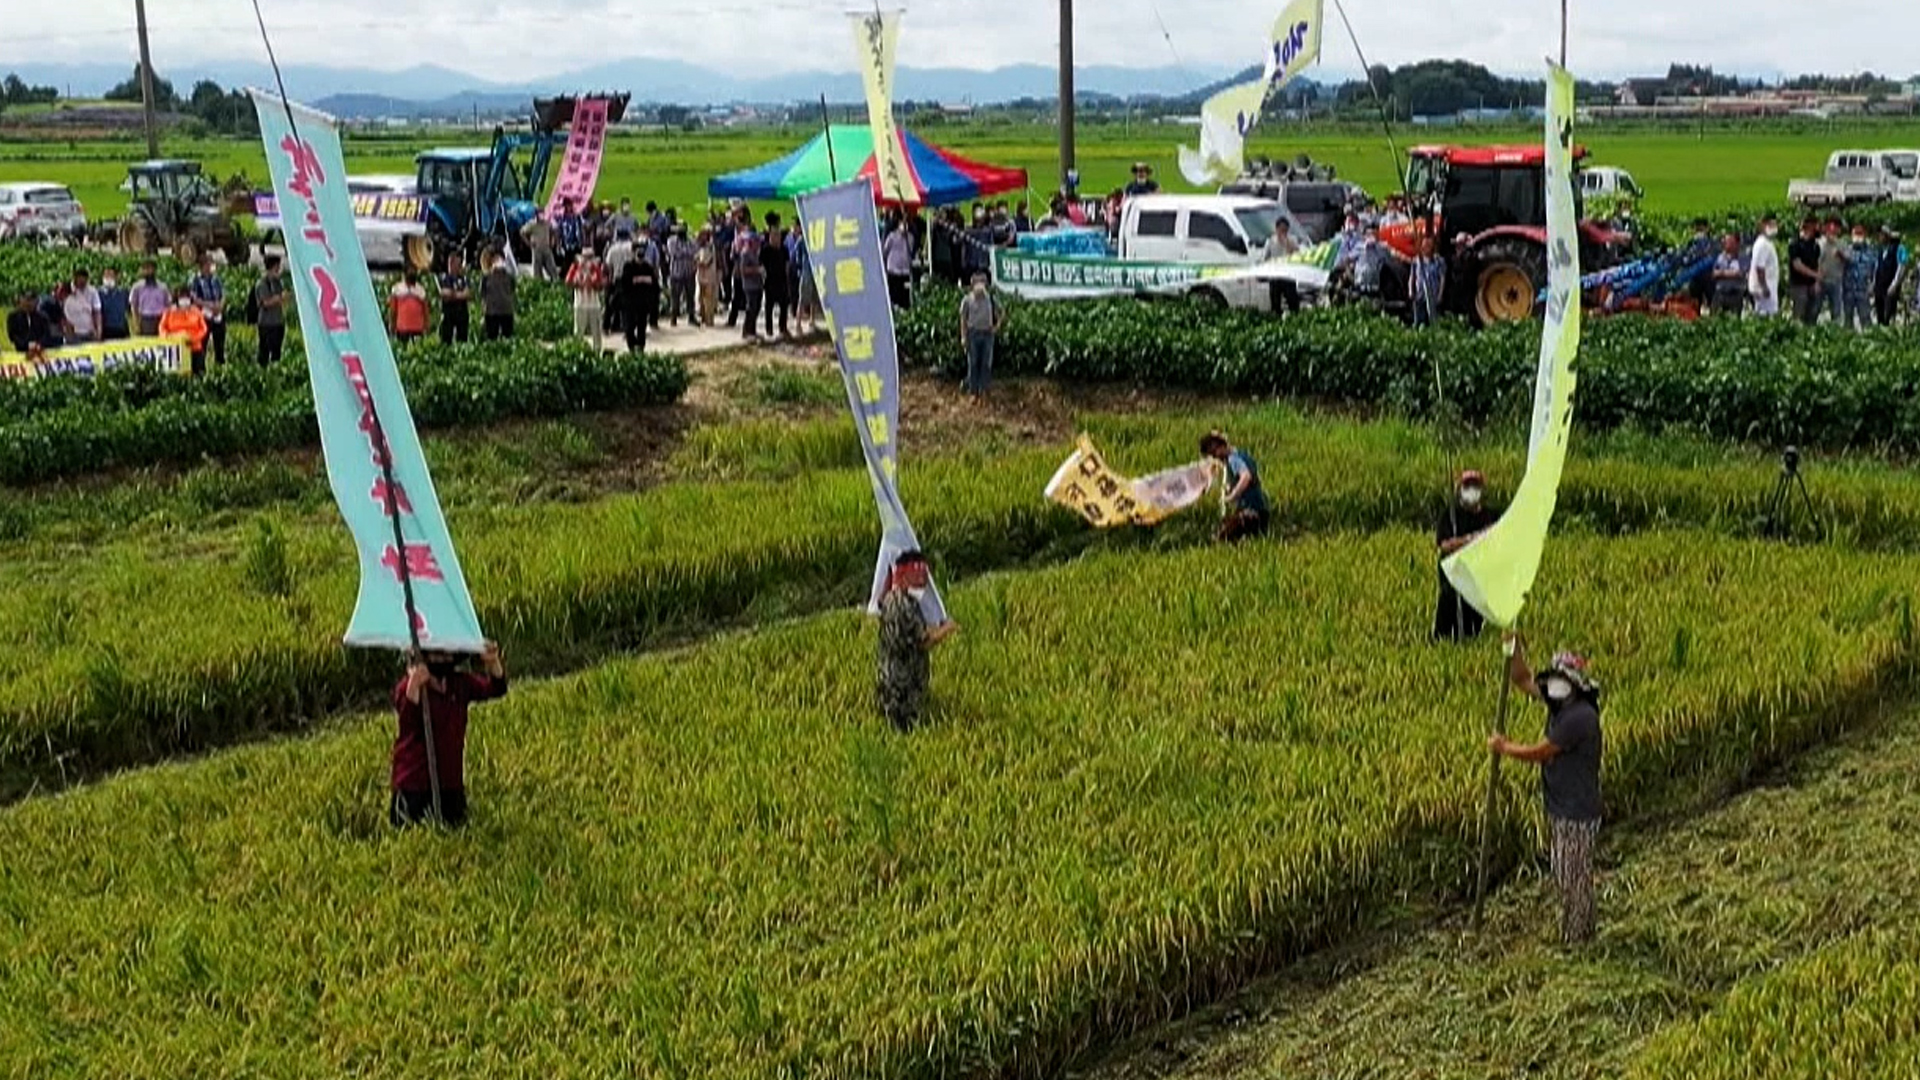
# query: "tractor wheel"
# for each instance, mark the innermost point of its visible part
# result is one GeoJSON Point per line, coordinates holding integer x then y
{"type": "Point", "coordinates": [135, 238]}
{"type": "Point", "coordinates": [418, 254]}
{"type": "Point", "coordinates": [1511, 274]}
{"type": "Point", "coordinates": [186, 251]}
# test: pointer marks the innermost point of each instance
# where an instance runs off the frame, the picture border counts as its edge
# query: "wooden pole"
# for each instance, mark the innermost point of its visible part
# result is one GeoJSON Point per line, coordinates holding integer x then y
{"type": "Point", "coordinates": [826, 126]}
{"type": "Point", "coordinates": [1066, 99]}
{"type": "Point", "coordinates": [146, 79]}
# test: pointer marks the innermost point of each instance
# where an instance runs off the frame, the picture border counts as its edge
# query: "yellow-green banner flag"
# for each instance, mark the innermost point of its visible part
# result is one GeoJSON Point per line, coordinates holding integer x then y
{"type": "Point", "coordinates": [1495, 572]}
{"type": "Point", "coordinates": [874, 36]}
{"type": "Point", "coordinates": [1229, 115]}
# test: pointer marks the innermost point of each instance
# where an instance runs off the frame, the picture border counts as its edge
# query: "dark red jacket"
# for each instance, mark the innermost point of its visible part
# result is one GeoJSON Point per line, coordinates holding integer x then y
{"type": "Point", "coordinates": [448, 707]}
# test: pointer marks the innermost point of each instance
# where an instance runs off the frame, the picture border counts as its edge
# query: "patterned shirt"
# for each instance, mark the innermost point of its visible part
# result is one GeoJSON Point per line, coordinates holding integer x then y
{"type": "Point", "coordinates": [1861, 264]}
{"type": "Point", "coordinates": [904, 668]}
{"type": "Point", "coordinates": [680, 252]}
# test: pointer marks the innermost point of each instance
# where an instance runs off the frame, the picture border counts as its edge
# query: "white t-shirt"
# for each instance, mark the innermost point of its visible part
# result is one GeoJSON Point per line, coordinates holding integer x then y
{"type": "Point", "coordinates": [1763, 279]}
{"type": "Point", "coordinates": [82, 310]}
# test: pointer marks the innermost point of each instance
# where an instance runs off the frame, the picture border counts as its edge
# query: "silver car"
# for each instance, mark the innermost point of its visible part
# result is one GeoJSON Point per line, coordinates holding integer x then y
{"type": "Point", "coordinates": [43, 211]}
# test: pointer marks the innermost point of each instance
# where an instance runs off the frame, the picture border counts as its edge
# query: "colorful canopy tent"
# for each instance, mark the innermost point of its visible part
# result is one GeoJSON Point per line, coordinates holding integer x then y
{"type": "Point", "coordinates": [940, 177]}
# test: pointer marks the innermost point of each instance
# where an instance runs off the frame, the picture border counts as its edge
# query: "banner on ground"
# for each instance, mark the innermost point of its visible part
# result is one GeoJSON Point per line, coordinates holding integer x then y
{"type": "Point", "coordinates": [1086, 485]}
{"type": "Point", "coordinates": [391, 207]}
{"type": "Point", "coordinates": [365, 425]}
{"type": "Point", "coordinates": [580, 169]}
{"type": "Point", "coordinates": [1229, 115]}
{"type": "Point", "coordinates": [1495, 572]}
{"type": "Point", "coordinates": [875, 36]}
{"type": "Point", "coordinates": [843, 239]}
{"type": "Point", "coordinates": [86, 361]}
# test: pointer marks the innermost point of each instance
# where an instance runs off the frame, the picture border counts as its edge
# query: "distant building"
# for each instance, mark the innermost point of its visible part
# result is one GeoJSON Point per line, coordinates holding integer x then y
{"type": "Point", "coordinates": [1640, 91]}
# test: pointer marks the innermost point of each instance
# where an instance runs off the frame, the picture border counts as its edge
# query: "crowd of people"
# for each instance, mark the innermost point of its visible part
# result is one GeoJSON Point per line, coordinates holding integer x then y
{"type": "Point", "coordinates": [77, 312]}
{"type": "Point", "coordinates": [629, 270]}
{"type": "Point", "coordinates": [1847, 275]}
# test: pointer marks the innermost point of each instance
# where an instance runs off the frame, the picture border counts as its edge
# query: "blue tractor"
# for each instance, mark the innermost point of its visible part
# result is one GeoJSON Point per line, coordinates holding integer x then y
{"type": "Point", "coordinates": [481, 196]}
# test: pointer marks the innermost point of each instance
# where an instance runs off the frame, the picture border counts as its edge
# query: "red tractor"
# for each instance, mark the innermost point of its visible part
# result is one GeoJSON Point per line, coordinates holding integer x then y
{"type": "Point", "coordinates": [1487, 205]}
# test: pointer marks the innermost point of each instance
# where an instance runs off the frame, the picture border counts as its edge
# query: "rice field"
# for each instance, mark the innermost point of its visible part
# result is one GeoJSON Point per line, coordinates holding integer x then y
{"type": "Point", "coordinates": [1143, 776]}
{"type": "Point", "coordinates": [772, 520]}
{"type": "Point", "coordinates": [1684, 171]}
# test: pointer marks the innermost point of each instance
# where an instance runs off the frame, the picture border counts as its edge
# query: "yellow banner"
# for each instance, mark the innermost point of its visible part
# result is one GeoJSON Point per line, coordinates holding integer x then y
{"type": "Point", "coordinates": [1495, 572]}
{"type": "Point", "coordinates": [874, 38]}
{"type": "Point", "coordinates": [1085, 485]}
{"type": "Point", "coordinates": [86, 361]}
{"type": "Point", "coordinates": [1229, 115]}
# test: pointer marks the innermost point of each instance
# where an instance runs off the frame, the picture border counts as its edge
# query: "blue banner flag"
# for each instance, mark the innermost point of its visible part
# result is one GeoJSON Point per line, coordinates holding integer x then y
{"type": "Point", "coordinates": [843, 241]}
{"type": "Point", "coordinates": [358, 398]}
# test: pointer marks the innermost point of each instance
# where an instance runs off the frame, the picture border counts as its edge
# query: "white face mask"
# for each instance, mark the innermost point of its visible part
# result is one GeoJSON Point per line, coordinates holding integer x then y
{"type": "Point", "coordinates": [183, 304]}
{"type": "Point", "coordinates": [1470, 497]}
{"type": "Point", "coordinates": [1557, 689]}
{"type": "Point", "coordinates": [1772, 231]}
{"type": "Point", "coordinates": [916, 594]}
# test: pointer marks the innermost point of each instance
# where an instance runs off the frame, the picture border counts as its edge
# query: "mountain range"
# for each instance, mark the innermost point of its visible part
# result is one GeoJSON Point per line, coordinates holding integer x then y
{"type": "Point", "coordinates": [429, 89]}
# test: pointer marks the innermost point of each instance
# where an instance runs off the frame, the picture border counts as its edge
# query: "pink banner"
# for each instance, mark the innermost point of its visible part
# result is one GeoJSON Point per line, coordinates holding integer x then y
{"type": "Point", "coordinates": [580, 171]}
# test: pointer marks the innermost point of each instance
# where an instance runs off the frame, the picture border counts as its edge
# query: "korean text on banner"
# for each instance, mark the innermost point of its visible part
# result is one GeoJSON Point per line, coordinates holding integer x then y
{"type": "Point", "coordinates": [354, 379]}
{"type": "Point", "coordinates": [1495, 572]}
{"type": "Point", "coordinates": [1086, 485]}
{"type": "Point", "coordinates": [586, 145]}
{"type": "Point", "coordinates": [94, 358]}
{"type": "Point", "coordinates": [1227, 117]}
{"type": "Point", "coordinates": [874, 38]}
{"type": "Point", "coordinates": [844, 239]}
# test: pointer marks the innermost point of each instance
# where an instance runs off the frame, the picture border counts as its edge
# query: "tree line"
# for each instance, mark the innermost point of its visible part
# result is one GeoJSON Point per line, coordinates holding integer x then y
{"type": "Point", "coordinates": [223, 111]}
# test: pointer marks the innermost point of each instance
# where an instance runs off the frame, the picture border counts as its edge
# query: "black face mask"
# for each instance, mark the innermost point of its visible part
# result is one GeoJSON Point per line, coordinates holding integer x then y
{"type": "Point", "coordinates": [443, 669]}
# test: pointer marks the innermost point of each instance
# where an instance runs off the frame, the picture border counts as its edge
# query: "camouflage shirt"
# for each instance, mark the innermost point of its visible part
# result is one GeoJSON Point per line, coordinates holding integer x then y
{"type": "Point", "coordinates": [904, 669]}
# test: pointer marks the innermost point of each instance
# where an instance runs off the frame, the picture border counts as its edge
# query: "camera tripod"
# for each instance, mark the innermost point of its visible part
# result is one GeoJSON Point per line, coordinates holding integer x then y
{"type": "Point", "coordinates": [1780, 505]}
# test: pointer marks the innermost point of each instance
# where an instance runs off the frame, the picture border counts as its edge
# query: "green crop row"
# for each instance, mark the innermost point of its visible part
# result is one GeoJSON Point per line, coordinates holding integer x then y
{"type": "Point", "coordinates": [719, 864]}
{"type": "Point", "coordinates": [1851, 1009]}
{"type": "Point", "coordinates": [1770, 383]}
{"type": "Point", "coordinates": [141, 417]}
{"type": "Point", "coordinates": [99, 675]}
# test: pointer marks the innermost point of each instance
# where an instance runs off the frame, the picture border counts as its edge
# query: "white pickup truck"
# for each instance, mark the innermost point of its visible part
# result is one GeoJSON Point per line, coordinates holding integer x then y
{"type": "Point", "coordinates": [1210, 246]}
{"type": "Point", "coordinates": [1861, 176]}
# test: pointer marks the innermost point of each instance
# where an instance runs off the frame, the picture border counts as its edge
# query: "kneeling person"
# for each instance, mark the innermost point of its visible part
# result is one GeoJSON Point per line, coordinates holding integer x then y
{"type": "Point", "coordinates": [438, 683]}
{"type": "Point", "coordinates": [1246, 501]}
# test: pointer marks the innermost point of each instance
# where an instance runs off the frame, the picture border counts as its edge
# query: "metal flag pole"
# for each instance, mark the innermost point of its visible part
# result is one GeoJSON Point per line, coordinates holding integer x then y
{"type": "Point", "coordinates": [1386, 123]}
{"type": "Point", "coordinates": [1493, 781]}
{"type": "Point", "coordinates": [385, 453]}
{"type": "Point", "coordinates": [1506, 680]}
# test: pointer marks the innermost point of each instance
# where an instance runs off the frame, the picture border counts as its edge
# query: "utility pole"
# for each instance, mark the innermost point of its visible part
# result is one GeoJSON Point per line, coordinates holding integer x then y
{"type": "Point", "coordinates": [146, 79]}
{"type": "Point", "coordinates": [1066, 98]}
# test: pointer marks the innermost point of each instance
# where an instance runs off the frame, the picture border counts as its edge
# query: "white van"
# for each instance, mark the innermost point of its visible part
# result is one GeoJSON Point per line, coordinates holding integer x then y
{"type": "Point", "coordinates": [1225, 230]}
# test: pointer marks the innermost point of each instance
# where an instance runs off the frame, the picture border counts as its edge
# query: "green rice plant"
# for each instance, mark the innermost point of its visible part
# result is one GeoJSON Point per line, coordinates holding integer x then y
{"type": "Point", "coordinates": [1850, 1009]}
{"type": "Point", "coordinates": [563, 584]}
{"type": "Point", "coordinates": [674, 867]}
{"type": "Point", "coordinates": [265, 565]}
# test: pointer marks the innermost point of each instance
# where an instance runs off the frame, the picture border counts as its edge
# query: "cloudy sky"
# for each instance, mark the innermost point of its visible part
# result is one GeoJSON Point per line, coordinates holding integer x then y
{"type": "Point", "coordinates": [512, 40]}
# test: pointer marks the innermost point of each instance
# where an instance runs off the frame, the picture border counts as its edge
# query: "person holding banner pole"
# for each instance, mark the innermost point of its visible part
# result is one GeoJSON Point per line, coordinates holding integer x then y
{"type": "Point", "coordinates": [436, 692]}
{"type": "Point", "coordinates": [1569, 757]}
